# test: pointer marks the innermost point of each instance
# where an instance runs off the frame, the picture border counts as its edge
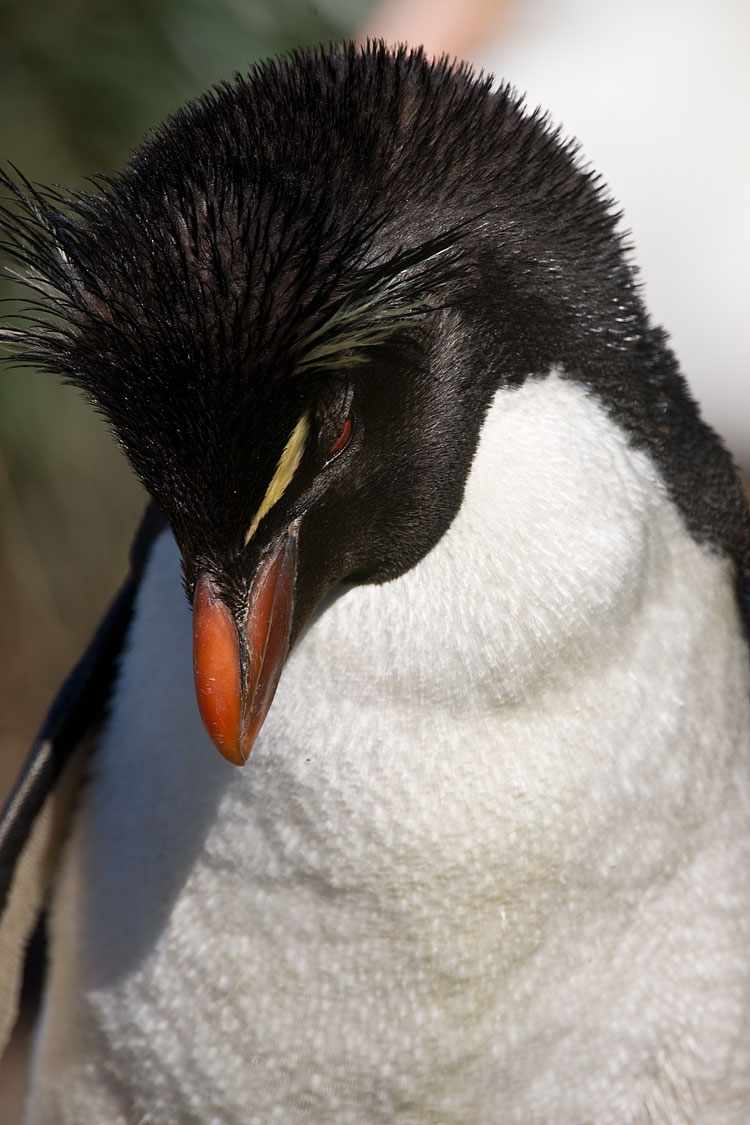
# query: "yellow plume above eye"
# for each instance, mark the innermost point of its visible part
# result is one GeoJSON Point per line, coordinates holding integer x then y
{"type": "Point", "coordinates": [291, 456]}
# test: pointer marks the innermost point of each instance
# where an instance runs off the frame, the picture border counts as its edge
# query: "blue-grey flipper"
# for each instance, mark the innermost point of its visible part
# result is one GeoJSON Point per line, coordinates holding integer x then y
{"type": "Point", "coordinates": [36, 815]}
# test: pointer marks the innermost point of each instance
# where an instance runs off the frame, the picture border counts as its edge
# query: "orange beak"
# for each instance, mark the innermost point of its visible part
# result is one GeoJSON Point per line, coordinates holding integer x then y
{"type": "Point", "coordinates": [236, 677]}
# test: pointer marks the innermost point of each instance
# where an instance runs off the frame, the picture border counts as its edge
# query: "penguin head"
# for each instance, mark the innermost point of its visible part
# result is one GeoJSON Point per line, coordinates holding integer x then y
{"type": "Point", "coordinates": [294, 306]}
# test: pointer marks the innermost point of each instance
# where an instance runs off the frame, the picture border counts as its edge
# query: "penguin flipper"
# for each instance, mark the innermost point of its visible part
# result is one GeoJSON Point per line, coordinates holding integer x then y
{"type": "Point", "coordinates": [36, 815]}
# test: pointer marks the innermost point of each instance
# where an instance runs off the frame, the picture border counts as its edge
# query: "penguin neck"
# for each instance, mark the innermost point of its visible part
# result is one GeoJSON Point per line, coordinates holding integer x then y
{"type": "Point", "coordinates": [538, 658]}
{"type": "Point", "coordinates": [563, 530]}
{"type": "Point", "coordinates": [565, 603]}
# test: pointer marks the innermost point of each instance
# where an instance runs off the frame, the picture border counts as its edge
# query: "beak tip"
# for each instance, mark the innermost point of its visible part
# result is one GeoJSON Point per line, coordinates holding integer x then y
{"type": "Point", "coordinates": [216, 670]}
{"type": "Point", "coordinates": [232, 754]}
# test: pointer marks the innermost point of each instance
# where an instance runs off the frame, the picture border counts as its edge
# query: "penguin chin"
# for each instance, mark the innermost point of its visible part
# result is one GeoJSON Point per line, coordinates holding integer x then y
{"type": "Point", "coordinates": [340, 590]}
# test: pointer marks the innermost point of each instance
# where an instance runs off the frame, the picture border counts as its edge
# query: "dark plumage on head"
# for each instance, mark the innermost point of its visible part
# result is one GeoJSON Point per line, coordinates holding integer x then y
{"type": "Point", "coordinates": [343, 219]}
{"type": "Point", "coordinates": [274, 229]}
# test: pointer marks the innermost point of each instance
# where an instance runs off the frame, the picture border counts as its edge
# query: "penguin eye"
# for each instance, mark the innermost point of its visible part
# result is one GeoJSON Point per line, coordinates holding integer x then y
{"type": "Point", "coordinates": [342, 440]}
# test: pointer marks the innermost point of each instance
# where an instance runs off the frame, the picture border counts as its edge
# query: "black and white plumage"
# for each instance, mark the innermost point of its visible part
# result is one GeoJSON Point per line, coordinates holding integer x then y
{"type": "Point", "coordinates": [366, 332]}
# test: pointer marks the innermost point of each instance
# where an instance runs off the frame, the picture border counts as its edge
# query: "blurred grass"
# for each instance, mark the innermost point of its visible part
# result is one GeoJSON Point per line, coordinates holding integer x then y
{"type": "Point", "coordinates": [80, 83]}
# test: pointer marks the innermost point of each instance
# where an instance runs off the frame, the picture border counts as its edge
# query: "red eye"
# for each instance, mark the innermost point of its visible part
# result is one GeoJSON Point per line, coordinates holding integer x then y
{"type": "Point", "coordinates": [342, 440]}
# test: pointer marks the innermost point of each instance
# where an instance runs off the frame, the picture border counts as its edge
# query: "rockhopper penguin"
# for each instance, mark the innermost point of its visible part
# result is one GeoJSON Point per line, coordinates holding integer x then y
{"type": "Point", "coordinates": [466, 572]}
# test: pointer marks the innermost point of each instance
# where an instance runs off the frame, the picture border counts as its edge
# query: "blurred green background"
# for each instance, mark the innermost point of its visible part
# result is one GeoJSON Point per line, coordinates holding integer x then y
{"type": "Point", "coordinates": [81, 81]}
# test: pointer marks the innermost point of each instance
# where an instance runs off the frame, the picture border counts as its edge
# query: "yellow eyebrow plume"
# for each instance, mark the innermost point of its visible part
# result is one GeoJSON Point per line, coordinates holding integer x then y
{"type": "Point", "coordinates": [288, 464]}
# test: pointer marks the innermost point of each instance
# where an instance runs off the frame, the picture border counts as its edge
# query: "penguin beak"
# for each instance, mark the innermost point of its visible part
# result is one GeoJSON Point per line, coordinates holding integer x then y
{"type": "Point", "coordinates": [237, 667]}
